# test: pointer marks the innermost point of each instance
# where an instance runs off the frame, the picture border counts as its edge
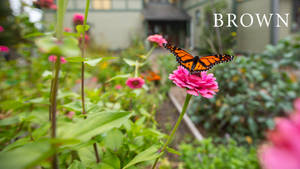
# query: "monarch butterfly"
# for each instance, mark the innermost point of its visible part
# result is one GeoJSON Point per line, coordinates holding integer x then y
{"type": "Point", "coordinates": [196, 63]}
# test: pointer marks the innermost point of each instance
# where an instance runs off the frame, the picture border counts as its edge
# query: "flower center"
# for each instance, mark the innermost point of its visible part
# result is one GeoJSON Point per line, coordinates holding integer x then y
{"type": "Point", "coordinates": [136, 82]}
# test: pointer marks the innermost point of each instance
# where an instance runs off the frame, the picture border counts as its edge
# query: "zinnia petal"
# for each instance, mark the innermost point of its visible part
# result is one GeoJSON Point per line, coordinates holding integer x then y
{"type": "Point", "coordinates": [205, 85]}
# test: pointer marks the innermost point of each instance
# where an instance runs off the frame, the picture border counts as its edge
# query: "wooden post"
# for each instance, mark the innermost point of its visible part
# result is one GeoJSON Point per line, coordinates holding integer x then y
{"type": "Point", "coordinates": [274, 32]}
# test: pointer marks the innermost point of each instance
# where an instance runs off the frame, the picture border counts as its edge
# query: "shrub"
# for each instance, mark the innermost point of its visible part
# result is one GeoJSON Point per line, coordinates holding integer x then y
{"type": "Point", "coordinates": [252, 92]}
{"type": "Point", "coordinates": [206, 155]}
{"type": "Point", "coordinates": [286, 52]}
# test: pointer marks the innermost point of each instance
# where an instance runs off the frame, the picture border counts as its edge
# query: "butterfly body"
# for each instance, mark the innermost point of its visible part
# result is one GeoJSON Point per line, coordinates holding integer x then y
{"type": "Point", "coordinates": [196, 63]}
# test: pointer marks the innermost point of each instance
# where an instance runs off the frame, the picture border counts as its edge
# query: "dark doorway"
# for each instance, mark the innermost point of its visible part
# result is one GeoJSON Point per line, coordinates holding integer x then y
{"type": "Point", "coordinates": [174, 31]}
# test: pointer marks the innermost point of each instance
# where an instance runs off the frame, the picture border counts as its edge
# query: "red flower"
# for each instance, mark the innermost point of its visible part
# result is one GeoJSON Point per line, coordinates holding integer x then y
{"type": "Point", "coordinates": [135, 82]}
{"type": "Point", "coordinates": [283, 149]}
{"type": "Point", "coordinates": [205, 85]}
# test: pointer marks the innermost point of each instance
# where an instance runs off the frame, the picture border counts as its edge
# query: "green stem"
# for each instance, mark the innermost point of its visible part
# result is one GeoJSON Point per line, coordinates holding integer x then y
{"type": "Point", "coordinates": [150, 51]}
{"type": "Point", "coordinates": [83, 55]}
{"type": "Point", "coordinates": [186, 103]}
{"type": "Point", "coordinates": [54, 84]}
{"type": "Point", "coordinates": [53, 109]}
{"type": "Point", "coordinates": [136, 69]}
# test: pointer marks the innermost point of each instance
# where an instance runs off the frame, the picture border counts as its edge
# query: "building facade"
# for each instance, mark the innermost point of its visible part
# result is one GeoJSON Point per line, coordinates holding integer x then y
{"type": "Point", "coordinates": [115, 22]}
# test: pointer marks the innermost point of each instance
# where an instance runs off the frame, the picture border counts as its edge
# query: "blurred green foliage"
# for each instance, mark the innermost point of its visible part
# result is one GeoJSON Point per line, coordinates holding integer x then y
{"type": "Point", "coordinates": [286, 52]}
{"type": "Point", "coordinates": [252, 92]}
{"type": "Point", "coordinates": [206, 155]}
{"type": "Point", "coordinates": [120, 120]}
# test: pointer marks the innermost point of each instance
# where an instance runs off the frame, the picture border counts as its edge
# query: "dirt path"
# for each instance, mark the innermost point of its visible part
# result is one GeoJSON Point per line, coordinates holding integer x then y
{"type": "Point", "coordinates": [166, 117]}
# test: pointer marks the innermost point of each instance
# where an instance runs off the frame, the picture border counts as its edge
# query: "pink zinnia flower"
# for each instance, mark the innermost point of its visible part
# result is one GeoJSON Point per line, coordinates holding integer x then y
{"type": "Point", "coordinates": [118, 87]}
{"type": "Point", "coordinates": [135, 82]}
{"type": "Point", "coordinates": [157, 39]}
{"type": "Point", "coordinates": [70, 114]}
{"type": "Point", "coordinates": [283, 149]}
{"type": "Point", "coordinates": [4, 49]}
{"type": "Point", "coordinates": [78, 19]}
{"type": "Point", "coordinates": [67, 29]}
{"type": "Point", "coordinates": [1, 29]}
{"type": "Point", "coordinates": [205, 85]}
{"type": "Point", "coordinates": [52, 58]}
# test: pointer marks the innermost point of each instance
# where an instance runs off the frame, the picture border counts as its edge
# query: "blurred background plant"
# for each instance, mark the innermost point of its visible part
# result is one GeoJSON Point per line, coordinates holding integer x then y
{"type": "Point", "coordinates": [207, 155]}
{"type": "Point", "coordinates": [252, 92]}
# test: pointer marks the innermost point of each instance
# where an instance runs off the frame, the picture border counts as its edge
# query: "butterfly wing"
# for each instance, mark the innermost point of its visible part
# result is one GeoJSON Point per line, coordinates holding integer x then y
{"type": "Point", "coordinates": [182, 56]}
{"type": "Point", "coordinates": [207, 62]}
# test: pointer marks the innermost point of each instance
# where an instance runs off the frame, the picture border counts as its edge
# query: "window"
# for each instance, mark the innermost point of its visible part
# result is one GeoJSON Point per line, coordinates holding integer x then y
{"type": "Point", "coordinates": [296, 16]}
{"type": "Point", "coordinates": [101, 4]}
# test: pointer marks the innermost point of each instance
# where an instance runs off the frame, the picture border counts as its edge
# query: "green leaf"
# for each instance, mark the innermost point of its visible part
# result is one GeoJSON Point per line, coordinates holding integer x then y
{"type": "Point", "coordinates": [47, 74]}
{"type": "Point", "coordinates": [108, 58]}
{"type": "Point", "coordinates": [93, 62]}
{"type": "Point", "coordinates": [95, 124]}
{"type": "Point", "coordinates": [47, 44]}
{"type": "Point", "coordinates": [111, 159]}
{"type": "Point", "coordinates": [76, 165]}
{"type": "Point", "coordinates": [149, 154]}
{"type": "Point", "coordinates": [35, 34]}
{"type": "Point", "coordinates": [26, 156]}
{"type": "Point", "coordinates": [252, 126]}
{"type": "Point", "coordinates": [82, 28]}
{"type": "Point", "coordinates": [119, 77]}
{"type": "Point", "coordinates": [10, 121]}
{"type": "Point", "coordinates": [173, 151]}
{"type": "Point", "coordinates": [17, 144]}
{"type": "Point", "coordinates": [104, 166]}
{"type": "Point", "coordinates": [113, 139]}
{"type": "Point", "coordinates": [39, 100]}
{"type": "Point", "coordinates": [87, 154]}
{"type": "Point", "coordinates": [68, 47]}
{"type": "Point", "coordinates": [41, 131]}
{"type": "Point", "coordinates": [76, 59]}
{"type": "Point", "coordinates": [130, 62]}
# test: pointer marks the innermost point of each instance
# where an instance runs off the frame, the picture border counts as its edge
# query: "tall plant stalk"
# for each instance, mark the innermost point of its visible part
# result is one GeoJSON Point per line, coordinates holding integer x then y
{"type": "Point", "coordinates": [82, 71]}
{"type": "Point", "coordinates": [170, 137]}
{"type": "Point", "coordinates": [83, 55]}
{"type": "Point", "coordinates": [54, 83]}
